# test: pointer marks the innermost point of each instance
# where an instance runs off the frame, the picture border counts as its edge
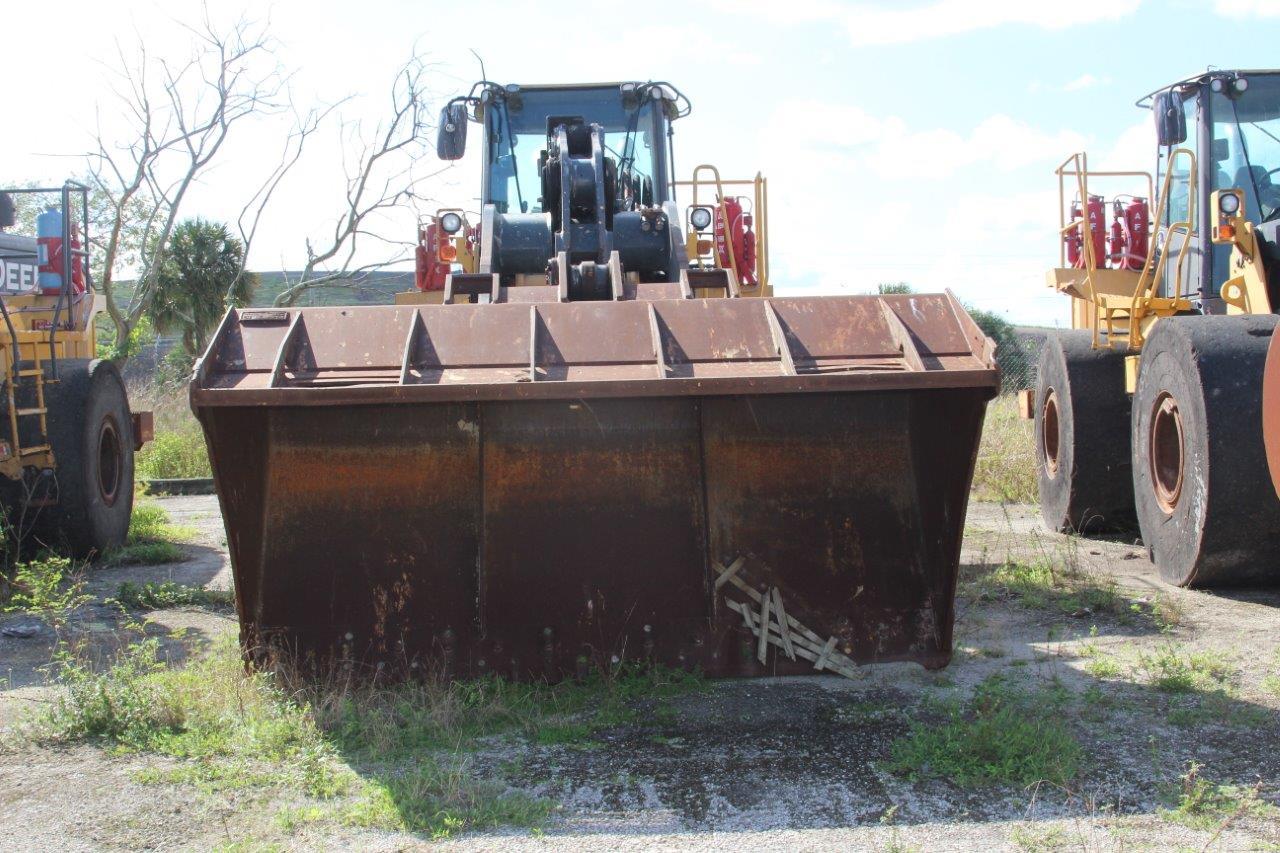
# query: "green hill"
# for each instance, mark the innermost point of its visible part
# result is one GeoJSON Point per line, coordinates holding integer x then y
{"type": "Point", "coordinates": [374, 288]}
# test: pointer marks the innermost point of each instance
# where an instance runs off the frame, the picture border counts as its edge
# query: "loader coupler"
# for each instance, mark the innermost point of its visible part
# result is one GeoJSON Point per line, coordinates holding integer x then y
{"type": "Point", "coordinates": [539, 490]}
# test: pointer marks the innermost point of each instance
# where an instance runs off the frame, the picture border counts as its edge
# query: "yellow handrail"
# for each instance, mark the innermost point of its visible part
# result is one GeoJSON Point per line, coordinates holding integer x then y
{"type": "Point", "coordinates": [1150, 278]}
{"type": "Point", "coordinates": [760, 193]}
{"type": "Point", "coordinates": [1077, 166]}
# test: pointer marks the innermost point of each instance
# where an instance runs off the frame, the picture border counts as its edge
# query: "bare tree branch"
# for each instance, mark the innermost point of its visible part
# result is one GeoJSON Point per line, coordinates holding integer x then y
{"type": "Point", "coordinates": [379, 177]}
{"type": "Point", "coordinates": [181, 112]}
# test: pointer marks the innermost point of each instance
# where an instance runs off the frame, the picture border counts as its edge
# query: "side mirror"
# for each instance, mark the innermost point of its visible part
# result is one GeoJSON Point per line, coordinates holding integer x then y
{"type": "Point", "coordinates": [8, 213]}
{"type": "Point", "coordinates": [1171, 123]}
{"type": "Point", "coordinates": [451, 138]}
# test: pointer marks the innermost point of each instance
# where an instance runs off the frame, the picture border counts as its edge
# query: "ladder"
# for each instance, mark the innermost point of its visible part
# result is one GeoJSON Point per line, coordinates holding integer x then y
{"type": "Point", "coordinates": [20, 376]}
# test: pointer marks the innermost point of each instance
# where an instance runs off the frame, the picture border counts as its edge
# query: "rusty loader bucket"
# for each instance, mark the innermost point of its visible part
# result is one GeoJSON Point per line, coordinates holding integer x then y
{"type": "Point", "coordinates": [534, 489]}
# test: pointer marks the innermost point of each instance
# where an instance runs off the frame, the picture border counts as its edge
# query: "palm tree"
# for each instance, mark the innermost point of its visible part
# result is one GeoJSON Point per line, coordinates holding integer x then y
{"type": "Point", "coordinates": [201, 277]}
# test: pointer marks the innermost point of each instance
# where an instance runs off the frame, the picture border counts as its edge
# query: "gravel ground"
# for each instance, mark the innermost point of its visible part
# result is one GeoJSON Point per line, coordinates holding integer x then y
{"type": "Point", "coordinates": [791, 763]}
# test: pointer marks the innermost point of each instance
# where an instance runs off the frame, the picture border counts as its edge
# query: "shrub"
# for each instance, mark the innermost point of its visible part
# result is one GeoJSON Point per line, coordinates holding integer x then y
{"type": "Point", "coordinates": [174, 455]}
{"type": "Point", "coordinates": [1006, 467]}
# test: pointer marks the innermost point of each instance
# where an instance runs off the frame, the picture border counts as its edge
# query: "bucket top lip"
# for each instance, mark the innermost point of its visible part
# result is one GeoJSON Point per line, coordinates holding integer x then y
{"type": "Point", "coordinates": [580, 350]}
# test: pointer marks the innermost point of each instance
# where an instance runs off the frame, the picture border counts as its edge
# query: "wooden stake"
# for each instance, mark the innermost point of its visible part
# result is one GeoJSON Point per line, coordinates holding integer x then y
{"type": "Point", "coordinates": [826, 651]}
{"type": "Point", "coordinates": [725, 575]}
{"type": "Point", "coordinates": [762, 650]}
{"type": "Point", "coordinates": [784, 628]}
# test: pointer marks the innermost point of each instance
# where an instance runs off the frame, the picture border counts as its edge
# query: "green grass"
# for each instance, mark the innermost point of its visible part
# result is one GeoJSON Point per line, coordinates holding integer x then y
{"type": "Point", "coordinates": [405, 719]}
{"type": "Point", "coordinates": [150, 523]}
{"type": "Point", "coordinates": [153, 539]}
{"type": "Point", "coordinates": [174, 454]}
{"type": "Point", "coordinates": [1198, 803]}
{"type": "Point", "coordinates": [1042, 585]}
{"type": "Point", "coordinates": [1218, 707]}
{"type": "Point", "coordinates": [1200, 688]}
{"type": "Point", "coordinates": [1006, 466]}
{"type": "Point", "coordinates": [160, 596]}
{"type": "Point", "coordinates": [1034, 839]}
{"type": "Point", "coordinates": [1100, 665]}
{"type": "Point", "coordinates": [1170, 668]}
{"type": "Point", "coordinates": [441, 800]}
{"type": "Point", "coordinates": [1004, 736]}
{"type": "Point", "coordinates": [392, 757]}
{"type": "Point", "coordinates": [576, 734]}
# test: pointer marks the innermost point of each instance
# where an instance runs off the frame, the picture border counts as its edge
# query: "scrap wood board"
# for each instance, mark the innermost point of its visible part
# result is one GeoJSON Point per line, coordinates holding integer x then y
{"type": "Point", "coordinates": [768, 618]}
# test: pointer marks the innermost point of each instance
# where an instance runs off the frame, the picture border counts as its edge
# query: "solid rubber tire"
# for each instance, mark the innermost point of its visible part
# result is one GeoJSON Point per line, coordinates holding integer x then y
{"type": "Point", "coordinates": [1092, 488]}
{"type": "Point", "coordinates": [89, 397]}
{"type": "Point", "coordinates": [1224, 527]}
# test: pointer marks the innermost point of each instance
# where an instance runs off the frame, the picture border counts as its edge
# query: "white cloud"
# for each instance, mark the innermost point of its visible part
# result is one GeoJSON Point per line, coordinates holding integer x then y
{"type": "Point", "coordinates": [791, 12]}
{"type": "Point", "coordinates": [848, 139]}
{"type": "Point", "coordinates": [1247, 8]}
{"type": "Point", "coordinates": [986, 192]}
{"type": "Point", "coordinates": [1134, 149]}
{"type": "Point", "coordinates": [894, 24]}
{"type": "Point", "coordinates": [870, 25]}
{"type": "Point", "coordinates": [1084, 81]}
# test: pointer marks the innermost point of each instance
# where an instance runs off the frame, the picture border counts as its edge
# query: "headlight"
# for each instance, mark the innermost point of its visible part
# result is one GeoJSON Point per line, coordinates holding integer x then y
{"type": "Point", "coordinates": [1229, 203]}
{"type": "Point", "coordinates": [700, 218]}
{"type": "Point", "coordinates": [451, 223]}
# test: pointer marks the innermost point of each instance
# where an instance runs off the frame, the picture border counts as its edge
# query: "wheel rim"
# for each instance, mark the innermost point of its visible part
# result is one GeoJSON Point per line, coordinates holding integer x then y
{"type": "Point", "coordinates": [1049, 437]}
{"type": "Point", "coordinates": [1166, 452]}
{"type": "Point", "coordinates": [110, 462]}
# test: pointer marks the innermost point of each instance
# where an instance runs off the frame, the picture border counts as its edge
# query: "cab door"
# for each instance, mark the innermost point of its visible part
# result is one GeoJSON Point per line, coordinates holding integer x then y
{"type": "Point", "coordinates": [1186, 204]}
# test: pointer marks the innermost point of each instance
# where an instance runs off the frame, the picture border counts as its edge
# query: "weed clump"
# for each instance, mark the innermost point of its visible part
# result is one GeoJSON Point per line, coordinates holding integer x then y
{"type": "Point", "coordinates": [48, 588]}
{"type": "Point", "coordinates": [1004, 736]}
{"type": "Point", "coordinates": [1006, 466]}
{"type": "Point", "coordinates": [153, 539]}
{"type": "Point", "coordinates": [386, 756]}
{"type": "Point", "coordinates": [1172, 669]}
{"type": "Point", "coordinates": [232, 727]}
{"type": "Point", "coordinates": [1042, 585]}
{"type": "Point", "coordinates": [175, 454]}
{"type": "Point", "coordinates": [1200, 804]}
{"type": "Point", "coordinates": [161, 596]}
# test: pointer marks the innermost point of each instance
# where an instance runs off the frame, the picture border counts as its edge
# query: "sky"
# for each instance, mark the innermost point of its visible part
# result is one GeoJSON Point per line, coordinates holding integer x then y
{"type": "Point", "coordinates": [903, 141]}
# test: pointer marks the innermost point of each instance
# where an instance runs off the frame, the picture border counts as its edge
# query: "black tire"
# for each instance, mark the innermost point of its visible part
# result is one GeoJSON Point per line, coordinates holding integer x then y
{"type": "Point", "coordinates": [1082, 436]}
{"type": "Point", "coordinates": [91, 433]}
{"type": "Point", "coordinates": [1208, 513]}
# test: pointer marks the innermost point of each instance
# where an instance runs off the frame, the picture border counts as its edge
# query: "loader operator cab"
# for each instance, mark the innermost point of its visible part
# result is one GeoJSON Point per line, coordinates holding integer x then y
{"type": "Point", "coordinates": [520, 125]}
{"type": "Point", "coordinates": [1229, 122]}
{"type": "Point", "coordinates": [575, 187]}
{"type": "Point", "coordinates": [578, 197]}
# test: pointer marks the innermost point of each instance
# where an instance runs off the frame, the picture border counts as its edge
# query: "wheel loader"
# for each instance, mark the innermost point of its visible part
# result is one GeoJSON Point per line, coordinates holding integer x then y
{"type": "Point", "coordinates": [591, 435]}
{"type": "Point", "coordinates": [67, 435]}
{"type": "Point", "coordinates": [1153, 410]}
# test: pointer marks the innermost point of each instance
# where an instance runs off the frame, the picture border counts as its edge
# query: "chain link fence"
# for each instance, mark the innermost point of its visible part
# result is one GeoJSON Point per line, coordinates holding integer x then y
{"type": "Point", "coordinates": [1018, 355]}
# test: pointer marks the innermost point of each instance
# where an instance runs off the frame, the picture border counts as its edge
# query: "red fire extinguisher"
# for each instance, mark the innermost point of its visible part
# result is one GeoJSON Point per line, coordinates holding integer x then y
{"type": "Point", "coordinates": [1097, 230]}
{"type": "Point", "coordinates": [738, 235]}
{"type": "Point", "coordinates": [1134, 221]}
